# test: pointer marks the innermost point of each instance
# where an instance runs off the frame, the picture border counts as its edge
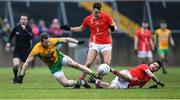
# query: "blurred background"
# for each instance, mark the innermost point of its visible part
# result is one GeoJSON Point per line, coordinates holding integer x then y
{"type": "Point", "coordinates": [48, 15]}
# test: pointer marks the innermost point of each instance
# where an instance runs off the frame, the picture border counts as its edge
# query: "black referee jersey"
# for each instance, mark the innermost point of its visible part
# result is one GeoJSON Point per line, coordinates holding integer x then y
{"type": "Point", "coordinates": [23, 37]}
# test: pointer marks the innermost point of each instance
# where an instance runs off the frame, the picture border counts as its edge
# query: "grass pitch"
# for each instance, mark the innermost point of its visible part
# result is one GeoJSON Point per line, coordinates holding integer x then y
{"type": "Point", "coordinates": [40, 84]}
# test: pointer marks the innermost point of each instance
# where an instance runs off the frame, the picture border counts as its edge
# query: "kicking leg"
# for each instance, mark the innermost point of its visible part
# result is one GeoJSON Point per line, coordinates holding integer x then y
{"type": "Point", "coordinates": [71, 63]}
{"type": "Point", "coordinates": [60, 77]}
{"type": "Point", "coordinates": [68, 61]}
{"type": "Point", "coordinates": [106, 56]}
{"type": "Point", "coordinates": [90, 59]}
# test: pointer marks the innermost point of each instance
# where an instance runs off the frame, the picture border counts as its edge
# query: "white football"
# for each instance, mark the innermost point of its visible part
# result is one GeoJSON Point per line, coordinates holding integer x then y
{"type": "Point", "coordinates": [103, 69]}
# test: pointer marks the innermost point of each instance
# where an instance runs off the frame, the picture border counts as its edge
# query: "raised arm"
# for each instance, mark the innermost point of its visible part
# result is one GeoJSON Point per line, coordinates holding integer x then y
{"type": "Point", "coordinates": [30, 34]}
{"type": "Point", "coordinates": [113, 27]}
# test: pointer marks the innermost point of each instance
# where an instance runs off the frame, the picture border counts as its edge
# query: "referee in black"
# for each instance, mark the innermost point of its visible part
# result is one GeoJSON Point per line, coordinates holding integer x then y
{"type": "Point", "coordinates": [23, 36]}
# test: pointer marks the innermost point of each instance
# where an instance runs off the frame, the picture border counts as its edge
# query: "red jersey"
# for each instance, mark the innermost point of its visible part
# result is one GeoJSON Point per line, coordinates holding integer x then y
{"type": "Point", "coordinates": [139, 73]}
{"type": "Point", "coordinates": [99, 28]}
{"type": "Point", "coordinates": [144, 38]}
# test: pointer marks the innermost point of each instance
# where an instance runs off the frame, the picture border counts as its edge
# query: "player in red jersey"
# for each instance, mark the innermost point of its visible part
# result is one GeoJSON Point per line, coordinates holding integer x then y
{"type": "Point", "coordinates": [100, 25]}
{"type": "Point", "coordinates": [143, 43]}
{"type": "Point", "coordinates": [137, 76]}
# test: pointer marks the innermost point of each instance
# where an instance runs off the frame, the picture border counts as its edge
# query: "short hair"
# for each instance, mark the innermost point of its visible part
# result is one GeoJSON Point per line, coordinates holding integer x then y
{"type": "Point", "coordinates": [144, 21]}
{"type": "Point", "coordinates": [163, 21]}
{"type": "Point", "coordinates": [24, 14]}
{"type": "Point", "coordinates": [97, 5]}
{"type": "Point", "coordinates": [159, 62]}
{"type": "Point", "coordinates": [43, 36]}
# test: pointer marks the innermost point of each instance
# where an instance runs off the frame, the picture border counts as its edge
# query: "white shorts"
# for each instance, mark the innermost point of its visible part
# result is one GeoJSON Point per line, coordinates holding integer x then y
{"type": "Point", "coordinates": [120, 82]}
{"type": "Point", "coordinates": [65, 60]}
{"type": "Point", "coordinates": [58, 74]}
{"type": "Point", "coordinates": [100, 47]}
{"type": "Point", "coordinates": [144, 54]}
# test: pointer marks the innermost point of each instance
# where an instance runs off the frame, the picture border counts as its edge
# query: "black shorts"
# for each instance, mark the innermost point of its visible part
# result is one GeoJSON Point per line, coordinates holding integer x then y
{"type": "Point", "coordinates": [21, 53]}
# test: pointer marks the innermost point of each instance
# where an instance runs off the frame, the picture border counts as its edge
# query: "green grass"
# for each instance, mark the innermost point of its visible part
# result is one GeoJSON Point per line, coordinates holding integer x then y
{"type": "Point", "coordinates": [39, 83]}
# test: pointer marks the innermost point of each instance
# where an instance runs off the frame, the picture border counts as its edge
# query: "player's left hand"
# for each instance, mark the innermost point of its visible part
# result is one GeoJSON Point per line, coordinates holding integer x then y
{"type": "Point", "coordinates": [80, 42]}
{"type": "Point", "coordinates": [174, 48]}
{"type": "Point", "coordinates": [161, 84]}
{"type": "Point", "coordinates": [112, 28]}
{"type": "Point", "coordinates": [153, 86]}
{"type": "Point", "coordinates": [111, 70]}
{"type": "Point", "coordinates": [20, 79]}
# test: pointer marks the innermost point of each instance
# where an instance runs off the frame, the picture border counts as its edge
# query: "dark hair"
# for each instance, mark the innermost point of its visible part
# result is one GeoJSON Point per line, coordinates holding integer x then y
{"type": "Point", "coordinates": [24, 14]}
{"type": "Point", "coordinates": [44, 35]}
{"type": "Point", "coordinates": [97, 5]}
{"type": "Point", "coordinates": [159, 62]}
{"type": "Point", "coordinates": [163, 21]}
{"type": "Point", "coordinates": [144, 21]}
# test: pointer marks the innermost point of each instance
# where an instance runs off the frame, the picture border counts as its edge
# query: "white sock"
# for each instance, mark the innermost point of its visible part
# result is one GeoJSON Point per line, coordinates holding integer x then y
{"type": "Point", "coordinates": [97, 81]}
{"type": "Point", "coordinates": [82, 82]}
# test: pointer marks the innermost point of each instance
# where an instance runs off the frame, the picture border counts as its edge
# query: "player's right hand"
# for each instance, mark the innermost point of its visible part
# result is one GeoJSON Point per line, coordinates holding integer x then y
{"type": "Point", "coordinates": [161, 84]}
{"type": "Point", "coordinates": [65, 27]}
{"type": "Point", "coordinates": [135, 51]}
{"type": "Point", "coordinates": [8, 45]}
{"type": "Point", "coordinates": [23, 26]}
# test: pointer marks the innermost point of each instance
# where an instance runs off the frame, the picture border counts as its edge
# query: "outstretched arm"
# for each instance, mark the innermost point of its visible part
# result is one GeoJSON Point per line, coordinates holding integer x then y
{"type": "Point", "coordinates": [73, 29]}
{"type": "Point", "coordinates": [77, 29]}
{"type": "Point", "coordinates": [26, 64]}
{"type": "Point", "coordinates": [23, 70]}
{"type": "Point", "coordinates": [73, 41]}
{"type": "Point", "coordinates": [154, 78]}
{"type": "Point", "coordinates": [123, 75]}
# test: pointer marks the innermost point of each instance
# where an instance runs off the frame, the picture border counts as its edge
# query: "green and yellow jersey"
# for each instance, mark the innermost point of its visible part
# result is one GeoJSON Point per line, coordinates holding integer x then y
{"type": "Point", "coordinates": [50, 56]}
{"type": "Point", "coordinates": [163, 38]}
